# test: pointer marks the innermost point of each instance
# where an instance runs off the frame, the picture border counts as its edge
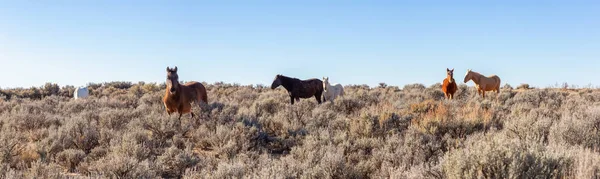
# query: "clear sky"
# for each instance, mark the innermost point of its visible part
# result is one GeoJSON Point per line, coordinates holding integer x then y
{"type": "Point", "coordinates": [248, 42]}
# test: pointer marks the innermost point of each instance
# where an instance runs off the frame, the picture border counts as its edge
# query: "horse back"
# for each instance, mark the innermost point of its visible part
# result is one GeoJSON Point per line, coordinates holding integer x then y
{"type": "Point", "coordinates": [197, 91]}
{"type": "Point", "coordinates": [309, 88]}
{"type": "Point", "coordinates": [496, 79]}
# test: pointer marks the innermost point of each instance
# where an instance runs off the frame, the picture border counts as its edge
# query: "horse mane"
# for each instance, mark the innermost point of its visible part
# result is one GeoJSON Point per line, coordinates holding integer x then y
{"type": "Point", "coordinates": [476, 73]}
{"type": "Point", "coordinates": [286, 81]}
{"type": "Point", "coordinates": [285, 77]}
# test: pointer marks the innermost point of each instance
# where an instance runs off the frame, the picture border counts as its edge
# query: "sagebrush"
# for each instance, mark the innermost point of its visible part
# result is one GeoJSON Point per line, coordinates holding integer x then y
{"type": "Point", "coordinates": [123, 131]}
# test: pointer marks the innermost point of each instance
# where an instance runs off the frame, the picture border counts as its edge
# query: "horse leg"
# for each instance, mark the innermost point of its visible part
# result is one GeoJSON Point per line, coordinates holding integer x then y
{"type": "Point", "coordinates": [483, 93]}
{"type": "Point", "coordinates": [318, 97]}
{"type": "Point", "coordinates": [292, 99]}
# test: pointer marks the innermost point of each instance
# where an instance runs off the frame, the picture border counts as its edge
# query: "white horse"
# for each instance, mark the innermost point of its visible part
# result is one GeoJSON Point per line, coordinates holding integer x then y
{"type": "Point", "coordinates": [331, 92]}
{"type": "Point", "coordinates": [81, 92]}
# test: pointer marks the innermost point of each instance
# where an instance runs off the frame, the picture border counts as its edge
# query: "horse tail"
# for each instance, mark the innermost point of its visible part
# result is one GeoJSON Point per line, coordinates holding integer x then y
{"type": "Point", "coordinates": [499, 81]}
{"type": "Point", "coordinates": [204, 95]}
{"type": "Point", "coordinates": [201, 93]}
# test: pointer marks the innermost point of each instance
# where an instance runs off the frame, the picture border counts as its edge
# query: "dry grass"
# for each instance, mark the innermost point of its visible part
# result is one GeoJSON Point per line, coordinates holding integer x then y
{"type": "Point", "coordinates": [122, 131]}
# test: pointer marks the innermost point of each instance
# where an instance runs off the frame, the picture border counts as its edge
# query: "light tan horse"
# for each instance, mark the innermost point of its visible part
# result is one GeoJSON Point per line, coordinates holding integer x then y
{"type": "Point", "coordinates": [482, 83]}
{"type": "Point", "coordinates": [178, 97]}
{"type": "Point", "coordinates": [331, 92]}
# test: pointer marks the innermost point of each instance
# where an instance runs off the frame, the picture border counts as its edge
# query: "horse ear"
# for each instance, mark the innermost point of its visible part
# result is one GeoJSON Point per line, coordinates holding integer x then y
{"type": "Point", "coordinates": [447, 69]}
{"type": "Point", "coordinates": [168, 69]}
{"type": "Point", "coordinates": [175, 69]}
{"type": "Point", "coordinates": [452, 70]}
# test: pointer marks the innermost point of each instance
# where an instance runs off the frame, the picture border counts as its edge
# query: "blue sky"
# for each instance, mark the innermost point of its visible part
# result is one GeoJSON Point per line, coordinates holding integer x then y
{"type": "Point", "coordinates": [249, 42]}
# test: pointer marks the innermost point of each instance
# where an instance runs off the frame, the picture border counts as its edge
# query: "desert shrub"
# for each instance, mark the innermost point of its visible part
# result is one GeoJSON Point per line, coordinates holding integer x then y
{"type": "Point", "coordinates": [116, 119]}
{"type": "Point", "coordinates": [40, 169]}
{"type": "Point", "coordinates": [464, 92]}
{"type": "Point", "coordinates": [583, 131]}
{"type": "Point", "coordinates": [348, 106]}
{"type": "Point", "coordinates": [413, 148]}
{"type": "Point", "coordinates": [434, 93]}
{"type": "Point", "coordinates": [442, 119]}
{"type": "Point", "coordinates": [50, 89]}
{"type": "Point", "coordinates": [505, 95]}
{"type": "Point", "coordinates": [70, 158]}
{"type": "Point", "coordinates": [363, 126]}
{"type": "Point", "coordinates": [266, 106]}
{"type": "Point", "coordinates": [175, 161]}
{"type": "Point", "coordinates": [67, 91]}
{"type": "Point", "coordinates": [436, 86]}
{"type": "Point", "coordinates": [423, 107]}
{"type": "Point", "coordinates": [123, 131]}
{"type": "Point", "coordinates": [12, 145]}
{"type": "Point", "coordinates": [587, 163]}
{"type": "Point", "coordinates": [118, 84]}
{"type": "Point", "coordinates": [535, 130]}
{"type": "Point", "coordinates": [393, 122]}
{"type": "Point", "coordinates": [414, 87]}
{"type": "Point", "coordinates": [121, 166]}
{"type": "Point", "coordinates": [494, 156]}
{"type": "Point", "coordinates": [76, 133]}
{"type": "Point", "coordinates": [320, 118]}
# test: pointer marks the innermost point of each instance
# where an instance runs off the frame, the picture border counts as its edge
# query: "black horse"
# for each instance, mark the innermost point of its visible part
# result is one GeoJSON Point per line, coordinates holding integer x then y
{"type": "Point", "coordinates": [300, 88]}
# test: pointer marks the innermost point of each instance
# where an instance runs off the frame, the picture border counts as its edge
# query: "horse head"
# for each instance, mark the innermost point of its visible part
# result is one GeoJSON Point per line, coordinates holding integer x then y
{"type": "Point", "coordinates": [172, 80]}
{"type": "Point", "coordinates": [325, 83]}
{"type": "Point", "coordinates": [450, 75]}
{"type": "Point", "coordinates": [277, 82]}
{"type": "Point", "coordinates": [468, 76]}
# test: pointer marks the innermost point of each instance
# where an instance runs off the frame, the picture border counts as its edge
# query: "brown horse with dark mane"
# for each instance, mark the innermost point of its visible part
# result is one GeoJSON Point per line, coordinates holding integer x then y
{"type": "Point", "coordinates": [299, 88]}
{"type": "Point", "coordinates": [449, 86]}
{"type": "Point", "coordinates": [178, 97]}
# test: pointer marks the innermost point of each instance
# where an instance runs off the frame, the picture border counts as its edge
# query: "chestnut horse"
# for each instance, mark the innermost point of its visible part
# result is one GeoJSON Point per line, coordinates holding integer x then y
{"type": "Point", "coordinates": [449, 86]}
{"type": "Point", "coordinates": [299, 88]}
{"type": "Point", "coordinates": [178, 97]}
{"type": "Point", "coordinates": [483, 84]}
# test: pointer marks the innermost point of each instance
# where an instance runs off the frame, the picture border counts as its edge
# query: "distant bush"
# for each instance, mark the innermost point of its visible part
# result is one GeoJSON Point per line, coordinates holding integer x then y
{"type": "Point", "coordinates": [414, 87]}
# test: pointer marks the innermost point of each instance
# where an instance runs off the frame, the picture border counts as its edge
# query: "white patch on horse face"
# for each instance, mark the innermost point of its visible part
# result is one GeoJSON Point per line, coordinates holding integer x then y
{"type": "Point", "coordinates": [467, 75]}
